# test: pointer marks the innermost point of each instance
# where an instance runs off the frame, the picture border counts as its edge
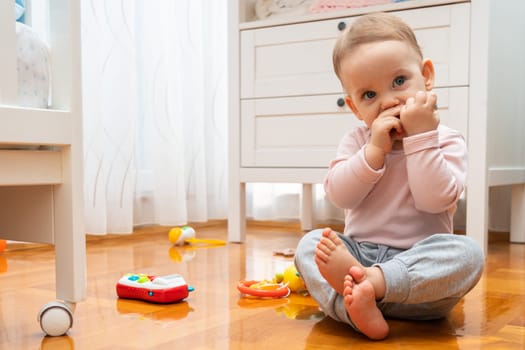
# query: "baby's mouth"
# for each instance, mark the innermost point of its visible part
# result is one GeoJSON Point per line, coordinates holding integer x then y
{"type": "Point", "coordinates": [393, 132]}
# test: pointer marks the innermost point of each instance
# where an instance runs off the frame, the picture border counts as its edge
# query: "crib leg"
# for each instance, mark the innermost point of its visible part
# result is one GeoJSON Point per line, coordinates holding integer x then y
{"type": "Point", "coordinates": [517, 223]}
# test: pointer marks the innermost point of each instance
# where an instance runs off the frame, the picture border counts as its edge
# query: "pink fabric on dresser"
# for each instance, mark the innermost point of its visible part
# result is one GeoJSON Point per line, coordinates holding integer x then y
{"type": "Point", "coordinates": [332, 5]}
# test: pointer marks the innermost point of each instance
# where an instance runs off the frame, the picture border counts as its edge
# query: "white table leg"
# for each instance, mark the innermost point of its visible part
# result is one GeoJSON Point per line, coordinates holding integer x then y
{"type": "Point", "coordinates": [517, 215]}
{"type": "Point", "coordinates": [307, 205]}
{"type": "Point", "coordinates": [237, 213]}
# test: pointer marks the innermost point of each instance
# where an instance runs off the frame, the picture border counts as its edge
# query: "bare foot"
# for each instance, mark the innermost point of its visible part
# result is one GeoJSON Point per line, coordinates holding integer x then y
{"type": "Point", "coordinates": [334, 260]}
{"type": "Point", "coordinates": [360, 303]}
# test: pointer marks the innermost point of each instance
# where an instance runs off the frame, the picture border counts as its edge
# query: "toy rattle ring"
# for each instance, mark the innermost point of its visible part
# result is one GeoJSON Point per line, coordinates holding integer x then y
{"type": "Point", "coordinates": [264, 289]}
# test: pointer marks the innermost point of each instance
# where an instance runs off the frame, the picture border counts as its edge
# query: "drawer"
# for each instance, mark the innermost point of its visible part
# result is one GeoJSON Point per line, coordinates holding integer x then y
{"type": "Point", "coordinates": [305, 131]}
{"type": "Point", "coordinates": [30, 167]}
{"type": "Point", "coordinates": [296, 59]}
{"type": "Point", "coordinates": [292, 132]}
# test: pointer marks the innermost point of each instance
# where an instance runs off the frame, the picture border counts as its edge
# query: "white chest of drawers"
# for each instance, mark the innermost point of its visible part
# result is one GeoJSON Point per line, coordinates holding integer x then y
{"type": "Point", "coordinates": [286, 117]}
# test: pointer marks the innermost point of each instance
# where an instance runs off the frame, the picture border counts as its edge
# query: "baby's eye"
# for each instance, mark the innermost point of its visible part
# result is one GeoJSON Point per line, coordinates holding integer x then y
{"type": "Point", "coordinates": [398, 81]}
{"type": "Point", "coordinates": [368, 95]}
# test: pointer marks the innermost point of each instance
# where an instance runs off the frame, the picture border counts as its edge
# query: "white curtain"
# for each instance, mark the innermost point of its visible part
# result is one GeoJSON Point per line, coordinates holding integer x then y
{"type": "Point", "coordinates": [154, 81]}
{"type": "Point", "coordinates": [155, 120]}
{"type": "Point", "coordinates": [281, 202]}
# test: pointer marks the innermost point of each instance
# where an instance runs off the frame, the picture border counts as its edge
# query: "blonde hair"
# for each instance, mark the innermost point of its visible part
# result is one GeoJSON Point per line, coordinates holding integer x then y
{"type": "Point", "coordinates": [371, 28]}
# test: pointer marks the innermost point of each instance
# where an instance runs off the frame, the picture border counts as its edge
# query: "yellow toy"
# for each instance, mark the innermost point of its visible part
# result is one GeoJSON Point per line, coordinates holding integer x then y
{"type": "Point", "coordinates": [186, 235]}
{"type": "Point", "coordinates": [291, 277]}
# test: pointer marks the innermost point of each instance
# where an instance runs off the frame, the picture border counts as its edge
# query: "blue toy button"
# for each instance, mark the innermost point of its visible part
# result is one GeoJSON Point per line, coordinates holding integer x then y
{"type": "Point", "coordinates": [150, 293]}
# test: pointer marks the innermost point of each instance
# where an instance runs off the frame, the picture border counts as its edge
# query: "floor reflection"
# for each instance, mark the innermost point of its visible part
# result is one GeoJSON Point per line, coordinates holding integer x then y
{"type": "Point", "coordinates": [155, 312]}
{"type": "Point", "coordinates": [294, 307]}
{"type": "Point", "coordinates": [57, 343]}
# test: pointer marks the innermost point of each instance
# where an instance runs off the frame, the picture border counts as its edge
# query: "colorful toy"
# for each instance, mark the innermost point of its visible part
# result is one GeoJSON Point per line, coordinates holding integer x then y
{"type": "Point", "coordinates": [163, 289]}
{"type": "Point", "coordinates": [186, 235]}
{"type": "Point", "coordinates": [280, 286]}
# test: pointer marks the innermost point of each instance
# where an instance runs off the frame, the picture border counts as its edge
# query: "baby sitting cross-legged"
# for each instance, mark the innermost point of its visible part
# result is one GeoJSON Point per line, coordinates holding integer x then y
{"type": "Point", "coordinates": [398, 178]}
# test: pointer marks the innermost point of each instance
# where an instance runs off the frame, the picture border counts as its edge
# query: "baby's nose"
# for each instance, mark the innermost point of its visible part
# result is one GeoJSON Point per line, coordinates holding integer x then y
{"type": "Point", "coordinates": [389, 102]}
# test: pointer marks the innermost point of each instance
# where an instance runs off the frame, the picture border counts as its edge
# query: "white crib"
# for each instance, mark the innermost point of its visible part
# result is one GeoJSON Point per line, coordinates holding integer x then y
{"type": "Point", "coordinates": [41, 176]}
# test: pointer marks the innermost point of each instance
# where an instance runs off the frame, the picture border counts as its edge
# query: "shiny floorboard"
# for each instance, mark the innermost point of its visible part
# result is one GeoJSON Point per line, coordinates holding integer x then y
{"type": "Point", "coordinates": [216, 316]}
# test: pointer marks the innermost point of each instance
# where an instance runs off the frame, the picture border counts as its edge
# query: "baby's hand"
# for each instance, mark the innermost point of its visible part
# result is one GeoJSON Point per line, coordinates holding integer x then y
{"type": "Point", "coordinates": [386, 129]}
{"type": "Point", "coordinates": [419, 113]}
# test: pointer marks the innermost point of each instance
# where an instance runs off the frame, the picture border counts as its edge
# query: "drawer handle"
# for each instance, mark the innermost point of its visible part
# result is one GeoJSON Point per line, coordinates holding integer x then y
{"type": "Point", "coordinates": [341, 26]}
{"type": "Point", "coordinates": [341, 102]}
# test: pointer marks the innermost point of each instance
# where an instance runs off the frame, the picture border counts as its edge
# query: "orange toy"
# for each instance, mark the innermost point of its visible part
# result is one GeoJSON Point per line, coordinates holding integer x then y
{"type": "Point", "coordinates": [264, 289]}
{"type": "Point", "coordinates": [280, 286]}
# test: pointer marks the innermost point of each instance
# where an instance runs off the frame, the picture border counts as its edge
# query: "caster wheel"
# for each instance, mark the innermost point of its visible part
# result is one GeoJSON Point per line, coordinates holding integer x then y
{"type": "Point", "coordinates": [55, 318]}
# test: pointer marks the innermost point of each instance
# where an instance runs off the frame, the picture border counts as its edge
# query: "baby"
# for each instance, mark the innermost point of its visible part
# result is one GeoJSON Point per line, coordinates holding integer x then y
{"type": "Point", "coordinates": [398, 178]}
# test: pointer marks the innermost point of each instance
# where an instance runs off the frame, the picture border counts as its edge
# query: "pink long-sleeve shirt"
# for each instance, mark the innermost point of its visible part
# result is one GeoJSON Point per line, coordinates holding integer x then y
{"type": "Point", "coordinates": [412, 197]}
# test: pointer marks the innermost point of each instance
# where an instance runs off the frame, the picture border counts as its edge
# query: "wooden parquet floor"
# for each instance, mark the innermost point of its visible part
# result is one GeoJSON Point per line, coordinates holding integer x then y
{"type": "Point", "coordinates": [215, 316]}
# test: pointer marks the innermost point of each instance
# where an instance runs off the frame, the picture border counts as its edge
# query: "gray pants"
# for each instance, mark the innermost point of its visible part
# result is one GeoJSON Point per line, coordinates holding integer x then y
{"type": "Point", "coordinates": [422, 283]}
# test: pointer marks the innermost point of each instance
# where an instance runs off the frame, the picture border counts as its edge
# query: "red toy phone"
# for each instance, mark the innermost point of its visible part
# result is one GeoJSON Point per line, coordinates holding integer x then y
{"type": "Point", "coordinates": [156, 289]}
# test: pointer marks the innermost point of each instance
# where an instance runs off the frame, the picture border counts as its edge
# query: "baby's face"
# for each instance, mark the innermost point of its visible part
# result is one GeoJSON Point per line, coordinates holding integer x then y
{"type": "Point", "coordinates": [381, 76]}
